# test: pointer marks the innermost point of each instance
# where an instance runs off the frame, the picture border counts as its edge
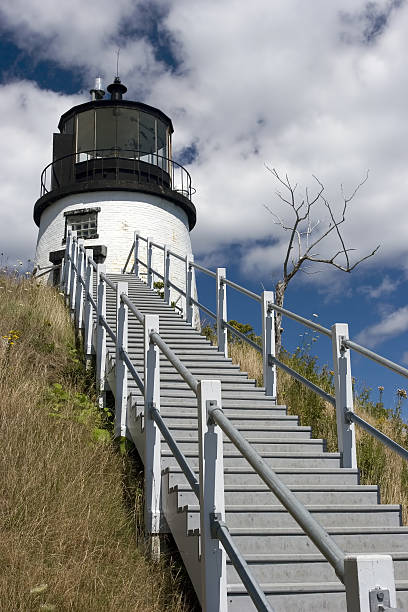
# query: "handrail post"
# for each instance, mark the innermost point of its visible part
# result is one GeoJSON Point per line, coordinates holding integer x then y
{"type": "Point", "coordinates": [166, 274]}
{"type": "Point", "coordinates": [344, 395]}
{"type": "Point", "coordinates": [88, 318]}
{"type": "Point", "coordinates": [221, 288]}
{"type": "Point", "coordinates": [67, 267]}
{"type": "Point", "coordinates": [189, 288]}
{"type": "Point", "coordinates": [73, 276]}
{"type": "Point", "coordinates": [100, 336]}
{"type": "Point", "coordinates": [213, 558]}
{"type": "Point", "coordinates": [149, 252]}
{"type": "Point", "coordinates": [136, 253]}
{"type": "Point", "coordinates": [79, 296]}
{"type": "Point", "coordinates": [268, 343]}
{"type": "Point", "coordinates": [62, 273]}
{"type": "Point", "coordinates": [121, 369]}
{"type": "Point", "coordinates": [369, 582]}
{"type": "Point", "coordinates": [152, 463]}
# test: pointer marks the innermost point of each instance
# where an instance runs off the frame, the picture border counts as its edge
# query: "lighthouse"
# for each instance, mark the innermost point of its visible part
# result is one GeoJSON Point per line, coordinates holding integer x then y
{"type": "Point", "coordinates": [112, 173]}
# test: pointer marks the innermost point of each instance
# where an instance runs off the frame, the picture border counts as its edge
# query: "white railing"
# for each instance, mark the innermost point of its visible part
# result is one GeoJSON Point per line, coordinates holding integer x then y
{"type": "Point", "coordinates": [364, 576]}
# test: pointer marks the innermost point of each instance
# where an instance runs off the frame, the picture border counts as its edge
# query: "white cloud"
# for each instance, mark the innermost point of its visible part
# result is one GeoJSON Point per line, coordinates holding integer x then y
{"type": "Point", "coordinates": [387, 286]}
{"type": "Point", "coordinates": [30, 117]}
{"type": "Point", "coordinates": [390, 326]}
{"type": "Point", "coordinates": [292, 84]}
{"type": "Point", "coordinates": [404, 357]}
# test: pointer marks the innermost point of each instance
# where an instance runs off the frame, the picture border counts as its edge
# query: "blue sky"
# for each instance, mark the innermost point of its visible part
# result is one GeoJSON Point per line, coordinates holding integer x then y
{"type": "Point", "coordinates": [317, 88]}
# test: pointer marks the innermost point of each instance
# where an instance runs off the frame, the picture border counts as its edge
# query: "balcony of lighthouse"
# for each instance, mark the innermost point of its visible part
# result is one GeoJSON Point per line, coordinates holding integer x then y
{"type": "Point", "coordinates": [117, 145]}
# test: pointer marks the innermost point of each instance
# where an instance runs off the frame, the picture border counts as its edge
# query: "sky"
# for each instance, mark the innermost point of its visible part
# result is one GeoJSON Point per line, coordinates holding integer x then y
{"type": "Point", "coordinates": [313, 89]}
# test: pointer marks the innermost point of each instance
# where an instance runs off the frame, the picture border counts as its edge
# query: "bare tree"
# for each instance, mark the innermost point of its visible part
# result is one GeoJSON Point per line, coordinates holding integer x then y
{"type": "Point", "coordinates": [305, 236]}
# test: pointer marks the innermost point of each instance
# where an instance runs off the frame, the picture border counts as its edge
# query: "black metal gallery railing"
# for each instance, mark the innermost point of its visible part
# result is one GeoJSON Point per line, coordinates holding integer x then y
{"type": "Point", "coordinates": [116, 165]}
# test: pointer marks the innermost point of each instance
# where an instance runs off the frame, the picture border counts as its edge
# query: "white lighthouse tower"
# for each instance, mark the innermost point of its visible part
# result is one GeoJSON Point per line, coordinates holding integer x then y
{"type": "Point", "coordinates": [112, 173]}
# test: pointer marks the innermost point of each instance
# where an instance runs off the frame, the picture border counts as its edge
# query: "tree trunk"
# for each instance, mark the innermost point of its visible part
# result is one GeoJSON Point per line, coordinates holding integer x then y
{"type": "Point", "coordinates": [280, 288]}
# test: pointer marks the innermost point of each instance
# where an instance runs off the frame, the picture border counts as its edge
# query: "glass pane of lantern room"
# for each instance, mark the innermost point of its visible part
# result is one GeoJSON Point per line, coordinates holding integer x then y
{"type": "Point", "coordinates": [85, 134]}
{"type": "Point", "coordinates": [127, 132]}
{"type": "Point", "coordinates": [162, 145]}
{"type": "Point", "coordinates": [147, 137]}
{"type": "Point", "coordinates": [105, 131]}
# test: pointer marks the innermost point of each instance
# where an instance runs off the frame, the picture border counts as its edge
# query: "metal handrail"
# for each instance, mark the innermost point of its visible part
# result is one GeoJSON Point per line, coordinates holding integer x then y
{"type": "Point", "coordinates": [129, 256]}
{"type": "Point", "coordinates": [108, 281]}
{"type": "Point", "coordinates": [319, 536]}
{"type": "Point", "coordinates": [159, 246]}
{"type": "Point", "coordinates": [247, 292]}
{"type": "Point", "coordinates": [133, 372]}
{"type": "Point", "coordinates": [395, 367]}
{"type": "Point", "coordinates": [178, 454]}
{"type": "Point", "coordinates": [202, 269]}
{"type": "Point", "coordinates": [47, 271]}
{"type": "Point", "coordinates": [308, 383]}
{"type": "Point", "coordinates": [176, 255]}
{"type": "Point", "coordinates": [222, 533]}
{"type": "Point", "coordinates": [352, 417]}
{"type": "Point", "coordinates": [109, 330]}
{"type": "Point", "coordinates": [177, 363]}
{"type": "Point", "coordinates": [241, 336]}
{"type": "Point", "coordinates": [203, 308]}
{"type": "Point", "coordinates": [139, 315]}
{"type": "Point", "coordinates": [159, 161]}
{"type": "Point", "coordinates": [170, 284]}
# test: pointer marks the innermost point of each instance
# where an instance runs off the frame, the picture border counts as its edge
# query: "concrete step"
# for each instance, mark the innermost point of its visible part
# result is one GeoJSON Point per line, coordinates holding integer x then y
{"type": "Point", "coordinates": [350, 539]}
{"type": "Point", "coordinates": [261, 445]}
{"type": "Point", "coordinates": [284, 432]}
{"type": "Point", "coordinates": [303, 597]}
{"type": "Point", "coordinates": [328, 516]}
{"type": "Point", "coordinates": [261, 495]}
{"type": "Point", "coordinates": [290, 476]}
{"type": "Point", "coordinates": [273, 460]}
{"type": "Point", "coordinates": [172, 418]}
{"type": "Point", "coordinates": [265, 404]}
{"type": "Point", "coordinates": [300, 568]}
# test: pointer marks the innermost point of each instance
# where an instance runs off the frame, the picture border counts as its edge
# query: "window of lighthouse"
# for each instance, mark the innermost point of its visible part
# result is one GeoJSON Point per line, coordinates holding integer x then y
{"type": "Point", "coordinates": [84, 222]}
{"type": "Point", "coordinates": [102, 131]}
{"type": "Point", "coordinates": [85, 133]}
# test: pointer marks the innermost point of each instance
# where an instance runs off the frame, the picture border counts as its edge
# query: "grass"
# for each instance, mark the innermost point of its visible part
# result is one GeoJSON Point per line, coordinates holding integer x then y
{"type": "Point", "coordinates": [377, 464]}
{"type": "Point", "coordinates": [70, 512]}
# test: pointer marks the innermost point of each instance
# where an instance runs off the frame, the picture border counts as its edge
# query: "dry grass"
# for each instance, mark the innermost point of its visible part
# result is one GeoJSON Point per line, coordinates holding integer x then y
{"type": "Point", "coordinates": [377, 464]}
{"type": "Point", "coordinates": [68, 540]}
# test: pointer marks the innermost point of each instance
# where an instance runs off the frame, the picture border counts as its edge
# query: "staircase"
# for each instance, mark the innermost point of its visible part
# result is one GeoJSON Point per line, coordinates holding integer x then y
{"type": "Point", "coordinates": [290, 570]}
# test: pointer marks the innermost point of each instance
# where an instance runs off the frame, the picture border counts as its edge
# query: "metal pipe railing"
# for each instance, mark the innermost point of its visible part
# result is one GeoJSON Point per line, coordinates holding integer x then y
{"type": "Point", "coordinates": [203, 308]}
{"type": "Point", "coordinates": [202, 269]}
{"type": "Point", "coordinates": [326, 396]}
{"type": "Point", "coordinates": [221, 531]}
{"type": "Point", "coordinates": [178, 455]}
{"type": "Point", "coordinates": [183, 293]}
{"type": "Point", "coordinates": [129, 256]}
{"type": "Point", "coordinates": [395, 367]}
{"type": "Point", "coordinates": [177, 256]}
{"type": "Point", "coordinates": [242, 336]}
{"type": "Point", "coordinates": [247, 292]}
{"type": "Point", "coordinates": [172, 357]}
{"type": "Point", "coordinates": [319, 536]}
{"type": "Point", "coordinates": [352, 417]}
{"type": "Point", "coordinates": [109, 330]}
{"type": "Point", "coordinates": [316, 326]}
{"type": "Point", "coordinates": [108, 281]}
{"type": "Point", "coordinates": [139, 315]}
{"type": "Point", "coordinates": [132, 370]}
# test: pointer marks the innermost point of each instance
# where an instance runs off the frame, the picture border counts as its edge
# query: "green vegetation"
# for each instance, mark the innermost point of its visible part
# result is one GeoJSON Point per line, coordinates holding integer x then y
{"type": "Point", "coordinates": [72, 503]}
{"type": "Point", "coordinates": [377, 464]}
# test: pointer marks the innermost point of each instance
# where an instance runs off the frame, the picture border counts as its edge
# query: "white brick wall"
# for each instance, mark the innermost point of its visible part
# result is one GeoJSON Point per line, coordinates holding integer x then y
{"type": "Point", "coordinates": [121, 214]}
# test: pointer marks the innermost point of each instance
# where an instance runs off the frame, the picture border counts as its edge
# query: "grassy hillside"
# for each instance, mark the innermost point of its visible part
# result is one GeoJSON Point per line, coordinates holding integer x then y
{"type": "Point", "coordinates": [377, 464]}
{"type": "Point", "coordinates": [69, 541]}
